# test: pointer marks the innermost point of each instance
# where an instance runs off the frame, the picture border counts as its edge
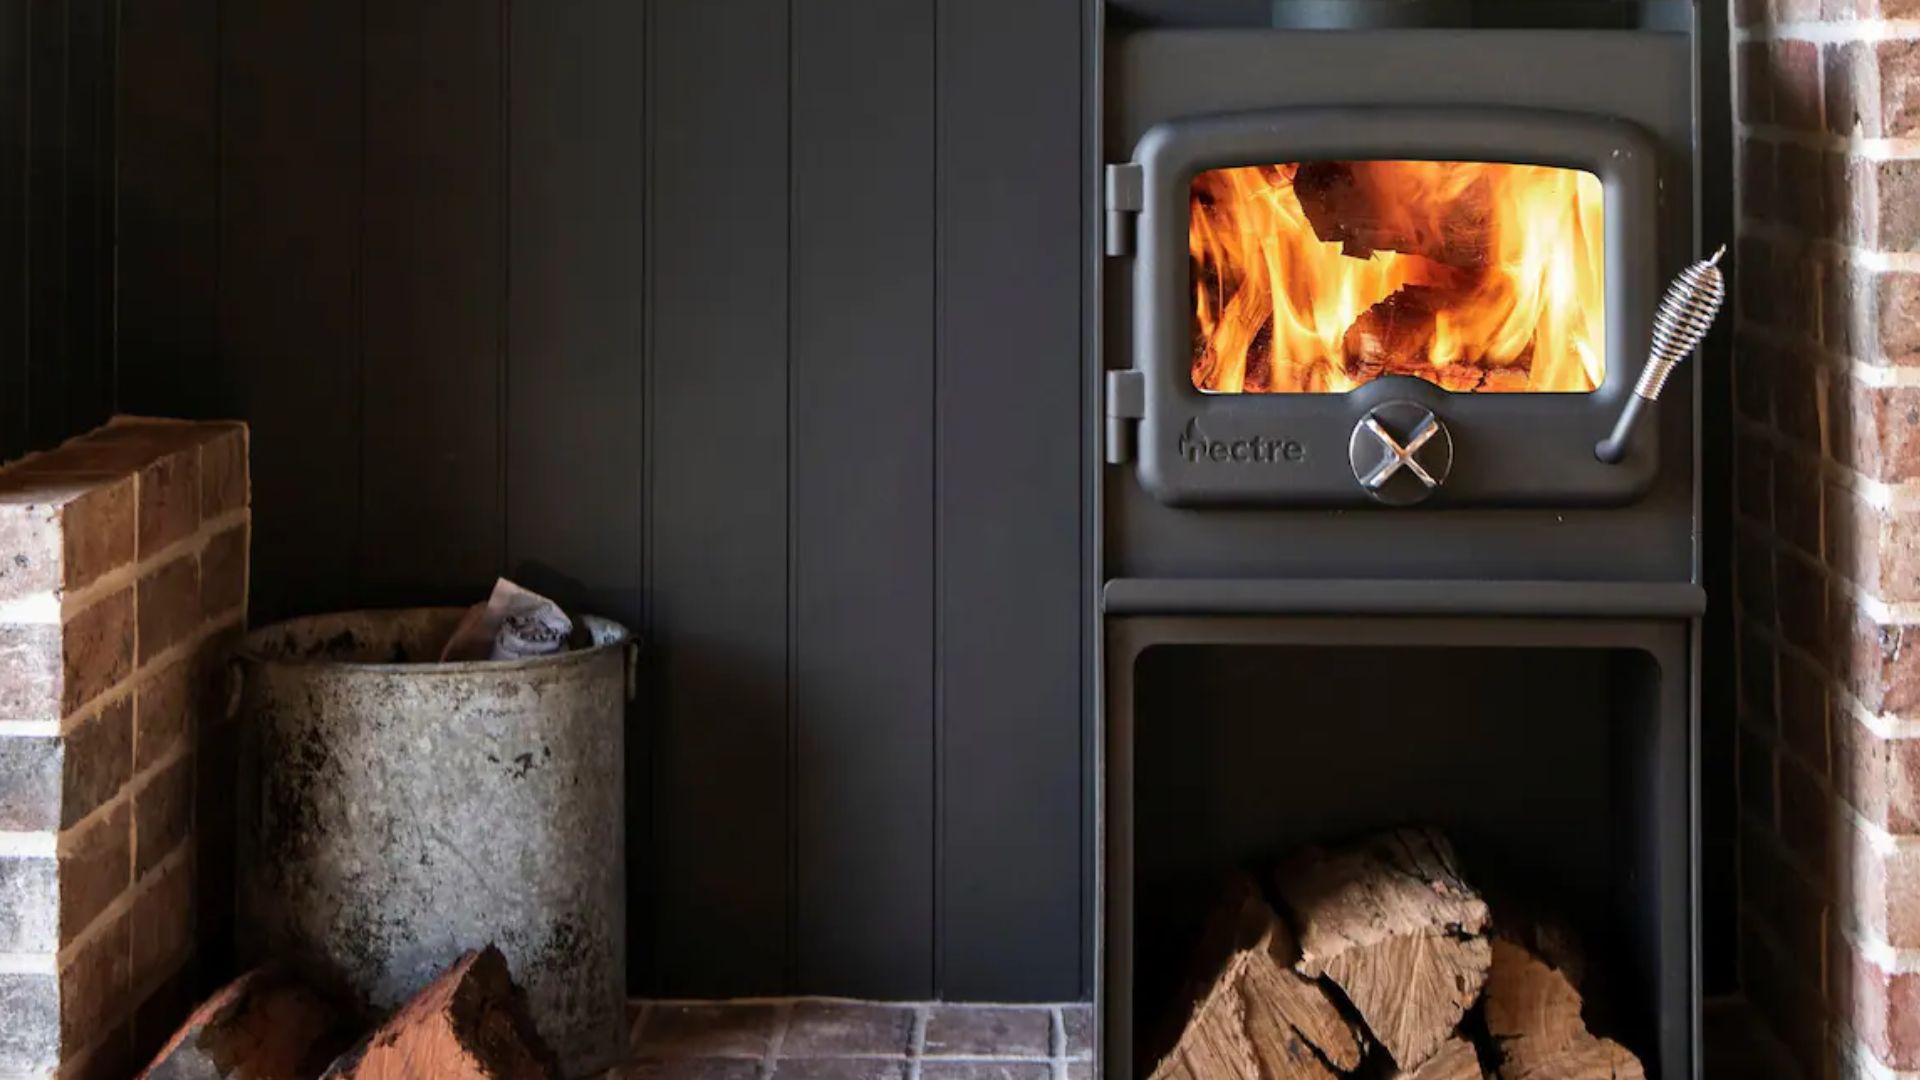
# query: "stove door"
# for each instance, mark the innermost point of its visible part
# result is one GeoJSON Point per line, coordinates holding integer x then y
{"type": "Point", "coordinates": [1398, 306]}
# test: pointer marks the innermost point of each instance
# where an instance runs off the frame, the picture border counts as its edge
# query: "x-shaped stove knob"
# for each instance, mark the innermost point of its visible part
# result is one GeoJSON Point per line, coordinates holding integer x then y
{"type": "Point", "coordinates": [1398, 456]}
{"type": "Point", "coordinates": [1401, 452]}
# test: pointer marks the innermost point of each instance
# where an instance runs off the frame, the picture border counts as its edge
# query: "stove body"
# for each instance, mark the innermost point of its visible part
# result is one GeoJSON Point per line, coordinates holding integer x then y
{"type": "Point", "coordinates": [1506, 645]}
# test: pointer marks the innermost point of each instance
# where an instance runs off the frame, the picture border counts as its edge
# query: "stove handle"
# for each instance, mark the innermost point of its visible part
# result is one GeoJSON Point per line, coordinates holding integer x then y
{"type": "Point", "coordinates": [1684, 316]}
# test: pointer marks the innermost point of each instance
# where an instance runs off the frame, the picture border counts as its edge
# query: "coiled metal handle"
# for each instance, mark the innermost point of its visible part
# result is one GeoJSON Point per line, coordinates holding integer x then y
{"type": "Point", "coordinates": [1685, 315]}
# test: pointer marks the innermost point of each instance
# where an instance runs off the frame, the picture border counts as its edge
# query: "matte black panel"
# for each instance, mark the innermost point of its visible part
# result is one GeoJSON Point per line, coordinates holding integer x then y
{"type": "Point", "coordinates": [719, 492]}
{"type": "Point", "coordinates": [1158, 75]}
{"type": "Point", "coordinates": [169, 191]}
{"type": "Point", "coordinates": [574, 456]}
{"type": "Point", "coordinates": [88, 144]}
{"type": "Point", "coordinates": [289, 339]}
{"type": "Point", "coordinates": [14, 265]}
{"type": "Point", "coordinates": [1008, 400]}
{"type": "Point", "coordinates": [433, 327]}
{"type": "Point", "coordinates": [51, 383]}
{"type": "Point", "coordinates": [863, 494]}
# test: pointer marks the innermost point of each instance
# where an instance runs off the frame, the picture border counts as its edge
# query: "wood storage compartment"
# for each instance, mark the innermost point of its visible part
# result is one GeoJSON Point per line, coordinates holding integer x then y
{"type": "Point", "coordinates": [400, 812]}
{"type": "Point", "coordinates": [1529, 765]}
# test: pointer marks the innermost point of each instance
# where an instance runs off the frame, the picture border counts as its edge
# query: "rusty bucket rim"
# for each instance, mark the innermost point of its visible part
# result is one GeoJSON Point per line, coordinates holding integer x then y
{"type": "Point", "coordinates": [617, 637]}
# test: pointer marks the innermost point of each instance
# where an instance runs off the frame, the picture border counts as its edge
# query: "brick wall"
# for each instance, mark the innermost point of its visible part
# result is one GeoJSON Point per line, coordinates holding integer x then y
{"type": "Point", "coordinates": [123, 572]}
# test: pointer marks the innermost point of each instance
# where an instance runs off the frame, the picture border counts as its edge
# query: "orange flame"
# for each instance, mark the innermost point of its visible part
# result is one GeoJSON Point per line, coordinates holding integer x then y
{"type": "Point", "coordinates": [1319, 277]}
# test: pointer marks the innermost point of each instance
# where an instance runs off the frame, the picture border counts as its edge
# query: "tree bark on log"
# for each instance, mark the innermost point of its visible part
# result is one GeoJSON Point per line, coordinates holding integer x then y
{"type": "Point", "coordinates": [265, 1024]}
{"type": "Point", "coordinates": [470, 1024]}
{"type": "Point", "coordinates": [1534, 1013]}
{"type": "Point", "coordinates": [1391, 922]}
{"type": "Point", "coordinates": [1255, 1019]}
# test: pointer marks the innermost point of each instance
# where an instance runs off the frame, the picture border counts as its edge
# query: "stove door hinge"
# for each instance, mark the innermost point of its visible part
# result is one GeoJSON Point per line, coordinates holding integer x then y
{"type": "Point", "coordinates": [1126, 196]}
{"type": "Point", "coordinates": [1126, 404]}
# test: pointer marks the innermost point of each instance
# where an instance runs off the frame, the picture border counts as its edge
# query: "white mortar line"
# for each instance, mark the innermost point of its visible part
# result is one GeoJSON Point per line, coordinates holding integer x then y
{"type": "Point", "coordinates": [56, 606]}
{"type": "Point", "coordinates": [1832, 33]}
{"type": "Point", "coordinates": [1867, 1066]}
{"type": "Point", "coordinates": [28, 845]}
{"type": "Point", "coordinates": [29, 729]}
{"type": "Point", "coordinates": [133, 786]}
{"type": "Point", "coordinates": [124, 902]}
{"type": "Point", "coordinates": [1853, 255]}
{"type": "Point", "coordinates": [33, 609]}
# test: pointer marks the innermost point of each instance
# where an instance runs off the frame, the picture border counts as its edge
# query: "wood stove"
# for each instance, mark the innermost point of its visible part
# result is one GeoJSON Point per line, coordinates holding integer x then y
{"type": "Point", "coordinates": [1370, 297]}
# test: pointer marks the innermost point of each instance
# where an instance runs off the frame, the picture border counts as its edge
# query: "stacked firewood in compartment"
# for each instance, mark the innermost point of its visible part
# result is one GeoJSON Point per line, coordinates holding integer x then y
{"type": "Point", "coordinates": [1379, 960]}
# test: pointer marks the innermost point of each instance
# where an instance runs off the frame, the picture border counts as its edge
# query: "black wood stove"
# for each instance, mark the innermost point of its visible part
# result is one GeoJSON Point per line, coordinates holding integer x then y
{"type": "Point", "coordinates": [1377, 280]}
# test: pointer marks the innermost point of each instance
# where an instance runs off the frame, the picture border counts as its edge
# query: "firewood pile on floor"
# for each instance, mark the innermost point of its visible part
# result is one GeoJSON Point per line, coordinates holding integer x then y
{"type": "Point", "coordinates": [1379, 960]}
{"type": "Point", "coordinates": [470, 1024]}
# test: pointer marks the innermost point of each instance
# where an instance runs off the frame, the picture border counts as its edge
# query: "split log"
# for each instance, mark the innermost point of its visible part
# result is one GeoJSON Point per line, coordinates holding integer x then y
{"type": "Point", "coordinates": [1392, 924]}
{"type": "Point", "coordinates": [1395, 337]}
{"type": "Point", "coordinates": [262, 1026]}
{"type": "Point", "coordinates": [1455, 1060]}
{"type": "Point", "coordinates": [1534, 1013]}
{"type": "Point", "coordinates": [470, 1024]}
{"type": "Point", "coordinates": [1256, 1019]}
{"type": "Point", "coordinates": [1369, 206]}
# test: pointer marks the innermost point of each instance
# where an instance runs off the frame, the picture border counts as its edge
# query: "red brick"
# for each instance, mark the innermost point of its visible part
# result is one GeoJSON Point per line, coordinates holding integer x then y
{"type": "Point", "coordinates": [1797, 501]}
{"type": "Point", "coordinates": [96, 865]}
{"type": "Point", "coordinates": [94, 988]}
{"type": "Point", "coordinates": [169, 605]}
{"type": "Point", "coordinates": [223, 572]}
{"type": "Point", "coordinates": [1894, 205]}
{"type": "Point", "coordinates": [1758, 683]}
{"type": "Point", "coordinates": [1881, 549]}
{"type": "Point", "coordinates": [162, 924]}
{"type": "Point", "coordinates": [1790, 1002]}
{"type": "Point", "coordinates": [1753, 280]}
{"type": "Point", "coordinates": [169, 489]}
{"type": "Point", "coordinates": [1881, 888]}
{"type": "Point", "coordinates": [1878, 777]}
{"type": "Point", "coordinates": [162, 815]}
{"type": "Point", "coordinates": [1804, 598]}
{"type": "Point", "coordinates": [30, 779]}
{"type": "Point", "coordinates": [99, 532]}
{"type": "Point", "coordinates": [1800, 274]}
{"type": "Point", "coordinates": [30, 548]}
{"type": "Point", "coordinates": [1876, 430]}
{"type": "Point", "coordinates": [1805, 714]}
{"type": "Point", "coordinates": [1753, 479]}
{"type": "Point", "coordinates": [163, 706]}
{"type": "Point", "coordinates": [96, 649]}
{"type": "Point", "coordinates": [1796, 11]}
{"type": "Point", "coordinates": [1880, 663]}
{"type": "Point", "coordinates": [99, 759]}
{"type": "Point", "coordinates": [1757, 183]}
{"type": "Point", "coordinates": [223, 470]}
{"type": "Point", "coordinates": [1753, 575]}
{"type": "Point", "coordinates": [30, 674]}
{"type": "Point", "coordinates": [1852, 105]}
{"type": "Point", "coordinates": [1755, 83]}
{"type": "Point", "coordinates": [1794, 909]}
{"type": "Point", "coordinates": [1801, 194]}
{"type": "Point", "coordinates": [1884, 1009]}
{"type": "Point", "coordinates": [1794, 67]}
{"type": "Point", "coordinates": [1806, 814]}
{"type": "Point", "coordinates": [1751, 13]}
{"type": "Point", "coordinates": [1895, 318]}
{"type": "Point", "coordinates": [1754, 370]}
{"type": "Point", "coordinates": [1800, 389]}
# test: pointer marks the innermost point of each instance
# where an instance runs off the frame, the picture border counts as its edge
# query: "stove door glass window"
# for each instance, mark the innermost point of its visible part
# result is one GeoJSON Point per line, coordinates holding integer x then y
{"type": "Point", "coordinates": [1320, 276]}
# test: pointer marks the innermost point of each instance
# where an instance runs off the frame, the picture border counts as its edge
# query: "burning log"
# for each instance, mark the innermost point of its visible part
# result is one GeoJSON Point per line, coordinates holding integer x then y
{"type": "Point", "coordinates": [470, 1024]}
{"type": "Point", "coordinates": [1369, 206]}
{"type": "Point", "coordinates": [1256, 1019]}
{"type": "Point", "coordinates": [266, 1023]}
{"type": "Point", "coordinates": [1534, 1015]}
{"type": "Point", "coordinates": [1391, 922]}
{"type": "Point", "coordinates": [1396, 337]}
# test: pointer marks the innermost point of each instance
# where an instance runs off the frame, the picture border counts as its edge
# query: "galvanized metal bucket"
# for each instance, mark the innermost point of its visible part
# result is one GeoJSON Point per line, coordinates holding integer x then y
{"type": "Point", "coordinates": [396, 813]}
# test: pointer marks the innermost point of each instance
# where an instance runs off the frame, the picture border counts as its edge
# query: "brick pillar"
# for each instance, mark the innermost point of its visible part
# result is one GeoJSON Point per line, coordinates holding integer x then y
{"type": "Point", "coordinates": [123, 573]}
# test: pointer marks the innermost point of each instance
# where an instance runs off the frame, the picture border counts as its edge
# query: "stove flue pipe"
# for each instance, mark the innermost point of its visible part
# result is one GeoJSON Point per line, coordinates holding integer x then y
{"type": "Point", "coordinates": [1685, 315]}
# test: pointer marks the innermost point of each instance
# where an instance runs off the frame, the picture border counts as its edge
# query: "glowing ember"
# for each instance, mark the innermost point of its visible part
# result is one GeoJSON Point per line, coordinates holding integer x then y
{"type": "Point", "coordinates": [1318, 277]}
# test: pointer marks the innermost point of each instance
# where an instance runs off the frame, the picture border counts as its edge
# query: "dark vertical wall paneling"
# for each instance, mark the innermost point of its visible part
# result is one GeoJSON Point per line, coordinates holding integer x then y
{"type": "Point", "coordinates": [169, 199]}
{"type": "Point", "coordinates": [575, 464]}
{"type": "Point", "coordinates": [719, 495]}
{"type": "Point", "coordinates": [1010, 475]}
{"type": "Point", "coordinates": [753, 324]}
{"type": "Point", "coordinates": [862, 370]}
{"type": "Point", "coordinates": [15, 131]}
{"type": "Point", "coordinates": [56, 219]}
{"type": "Point", "coordinates": [433, 265]}
{"type": "Point", "coordinates": [289, 349]}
